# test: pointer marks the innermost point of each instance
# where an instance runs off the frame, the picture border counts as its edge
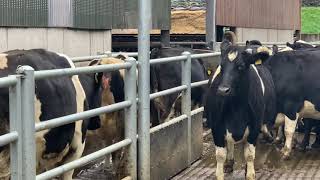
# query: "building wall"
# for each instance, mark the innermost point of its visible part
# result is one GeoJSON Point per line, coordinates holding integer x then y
{"type": "Point", "coordinates": [264, 35]}
{"type": "Point", "coordinates": [273, 14]}
{"type": "Point", "coordinates": [62, 40]}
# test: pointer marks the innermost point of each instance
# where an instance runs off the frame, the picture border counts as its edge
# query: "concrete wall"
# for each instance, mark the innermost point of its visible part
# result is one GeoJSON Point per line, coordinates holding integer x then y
{"type": "Point", "coordinates": [62, 40]}
{"type": "Point", "coordinates": [264, 35]}
{"type": "Point", "coordinates": [310, 37]}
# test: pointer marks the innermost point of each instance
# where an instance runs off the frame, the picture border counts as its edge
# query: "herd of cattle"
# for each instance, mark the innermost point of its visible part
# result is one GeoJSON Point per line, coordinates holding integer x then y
{"type": "Point", "coordinates": [254, 90]}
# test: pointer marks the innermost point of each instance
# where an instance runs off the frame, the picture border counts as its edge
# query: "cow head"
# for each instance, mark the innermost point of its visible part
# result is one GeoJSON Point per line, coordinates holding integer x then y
{"type": "Point", "coordinates": [235, 64]}
{"type": "Point", "coordinates": [109, 87]}
{"type": "Point", "coordinates": [299, 44]}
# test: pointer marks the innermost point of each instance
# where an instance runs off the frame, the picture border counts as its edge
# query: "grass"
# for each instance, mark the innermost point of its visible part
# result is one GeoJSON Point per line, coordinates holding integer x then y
{"type": "Point", "coordinates": [310, 19]}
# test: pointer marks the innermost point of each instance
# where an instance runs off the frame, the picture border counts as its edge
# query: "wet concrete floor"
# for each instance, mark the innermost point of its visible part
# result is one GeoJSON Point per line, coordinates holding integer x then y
{"type": "Point", "coordinates": [268, 165]}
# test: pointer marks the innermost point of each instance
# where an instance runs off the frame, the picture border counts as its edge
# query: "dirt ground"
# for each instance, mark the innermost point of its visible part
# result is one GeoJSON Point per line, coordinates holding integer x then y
{"type": "Point", "coordinates": [182, 22]}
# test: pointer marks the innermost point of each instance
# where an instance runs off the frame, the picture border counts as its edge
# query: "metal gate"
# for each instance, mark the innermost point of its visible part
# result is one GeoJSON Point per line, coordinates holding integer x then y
{"type": "Point", "coordinates": [22, 126]}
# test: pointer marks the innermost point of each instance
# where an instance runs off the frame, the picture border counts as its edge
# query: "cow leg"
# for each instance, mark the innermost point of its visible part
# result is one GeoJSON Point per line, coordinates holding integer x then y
{"type": "Point", "coordinates": [266, 134]}
{"type": "Point", "coordinates": [289, 129]}
{"type": "Point", "coordinates": [221, 153]}
{"type": "Point", "coordinates": [307, 131]}
{"type": "Point", "coordinates": [228, 167]}
{"type": "Point", "coordinates": [249, 155]}
{"type": "Point", "coordinates": [76, 150]}
{"type": "Point", "coordinates": [316, 143]}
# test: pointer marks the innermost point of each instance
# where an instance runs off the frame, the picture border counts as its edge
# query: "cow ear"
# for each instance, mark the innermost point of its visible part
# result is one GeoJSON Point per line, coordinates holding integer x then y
{"type": "Point", "coordinates": [94, 62]}
{"type": "Point", "coordinates": [122, 57]}
{"type": "Point", "coordinates": [155, 52]}
{"type": "Point", "coordinates": [260, 57]}
{"type": "Point", "coordinates": [224, 46]}
{"type": "Point", "coordinates": [247, 43]}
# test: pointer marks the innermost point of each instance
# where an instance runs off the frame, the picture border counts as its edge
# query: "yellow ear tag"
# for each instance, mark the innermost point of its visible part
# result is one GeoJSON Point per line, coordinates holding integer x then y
{"type": "Point", "coordinates": [209, 72]}
{"type": "Point", "coordinates": [258, 62]}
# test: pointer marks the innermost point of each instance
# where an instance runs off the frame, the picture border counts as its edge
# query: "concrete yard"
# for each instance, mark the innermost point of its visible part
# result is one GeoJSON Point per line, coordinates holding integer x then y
{"type": "Point", "coordinates": [268, 164]}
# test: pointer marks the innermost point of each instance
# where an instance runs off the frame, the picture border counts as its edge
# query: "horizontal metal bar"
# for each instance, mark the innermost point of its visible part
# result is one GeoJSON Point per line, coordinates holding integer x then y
{"type": "Point", "coordinates": [8, 138]}
{"type": "Point", "coordinates": [199, 83]}
{"type": "Point", "coordinates": [167, 91]}
{"type": "Point", "coordinates": [83, 160]}
{"type": "Point", "coordinates": [197, 111]}
{"type": "Point", "coordinates": [188, 43]}
{"type": "Point", "coordinates": [114, 54]}
{"type": "Point", "coordinates": [83, 115]}
{"type": "Point", "coordinates": [168, 59]}
{"type": "Point", "coordinates": [7, 81]}
{"type": "Point", "coordinates": [79, 70]}
{"type": "Point", "coordinates": [170, 122]}
{"type": "Point", "coordinates": [205, 55]}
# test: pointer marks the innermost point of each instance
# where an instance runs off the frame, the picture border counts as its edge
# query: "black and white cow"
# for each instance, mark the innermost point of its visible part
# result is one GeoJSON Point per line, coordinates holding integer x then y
{"type": "Point", "coordinates": [240, 98]}
{"type": "Point", "coordinates": [300, 45]}
{"type": "Point", "coordinates": [54, 97]}
{"type": "Point", "coordinates": [293, 73]}
{"type": "Point", "coordinates": [166, 76]}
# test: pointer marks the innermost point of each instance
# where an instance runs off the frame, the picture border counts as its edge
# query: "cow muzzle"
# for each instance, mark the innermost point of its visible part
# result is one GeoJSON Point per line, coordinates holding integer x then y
{"type": "Point", "coordinates": [224, 91]}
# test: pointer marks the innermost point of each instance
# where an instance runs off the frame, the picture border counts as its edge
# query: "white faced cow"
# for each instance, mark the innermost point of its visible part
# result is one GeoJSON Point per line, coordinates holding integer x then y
{"type": "Point", "coordinates": [239, 100]}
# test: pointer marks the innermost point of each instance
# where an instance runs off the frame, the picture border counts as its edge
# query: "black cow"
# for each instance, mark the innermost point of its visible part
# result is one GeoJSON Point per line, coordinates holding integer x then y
{"type": "Point", "coordinates": [240, 99]}
{"type": "Point", "coordinates": [166, 76]}
{"type": "Point", "coordinates": [293, 73]}
{"type": "Point", "coordinates": [54, 97]}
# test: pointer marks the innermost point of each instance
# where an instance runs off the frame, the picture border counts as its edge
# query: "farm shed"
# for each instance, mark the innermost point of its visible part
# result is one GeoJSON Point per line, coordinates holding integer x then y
{"type": "Point", "coordinates": [268, 21]}
{"type": "Point", "coordinates": [73, 27]}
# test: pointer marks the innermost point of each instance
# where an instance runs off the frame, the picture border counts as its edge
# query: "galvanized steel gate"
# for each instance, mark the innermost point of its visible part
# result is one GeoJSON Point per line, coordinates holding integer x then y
{"type": "Point", "coordinates": [22, 128]}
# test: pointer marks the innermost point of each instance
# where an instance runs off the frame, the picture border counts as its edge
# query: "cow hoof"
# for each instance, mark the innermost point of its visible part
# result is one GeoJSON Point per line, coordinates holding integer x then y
{"type": "Point", "coordinates": [285, 153]}
{"type": "Point", "coordinates": [228, 166]}
{"type": "Point", "coordinates": [250, 175]}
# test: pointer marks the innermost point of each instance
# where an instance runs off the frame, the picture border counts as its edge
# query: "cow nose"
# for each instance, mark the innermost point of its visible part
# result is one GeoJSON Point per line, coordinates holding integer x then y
{"type": "Point", "coordinates": [222, 90]}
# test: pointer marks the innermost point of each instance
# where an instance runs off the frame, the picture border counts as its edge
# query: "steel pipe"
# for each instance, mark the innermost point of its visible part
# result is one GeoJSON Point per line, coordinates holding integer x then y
{"type": "Point", "coordinates": [113, 54]}
{"type": "Point", "coordinates": [205, 55]}
{"type": "Point", "coordinates": [27, 137]}
{"type": "Point", "coordinates": [145, 23]}
{"type": "Point", "coordinates": [131, 117]}
{"type": "Point", "coordinates": [169, 123]}
{"type": "Point", "coordinates": [83, 115]}
{"type": "Point", "coordinates": [186, 98]}
{"type": "Point", "coordinates": [168, 59]}
{"type": "Point", "coordinates": [8, 138]}
{"type": "Point", "coordinates": [83, 160]}
{"type": "Point", "coordinates": [199, 83]}
{"type": "Point", "coordinates": [79, 70]}
{"type": "Point", "coordinates": [8, 81]}
{"type": "Point", "coordinates": [197, 111]}
{"type": "Point", "coordinates": [168, 91]}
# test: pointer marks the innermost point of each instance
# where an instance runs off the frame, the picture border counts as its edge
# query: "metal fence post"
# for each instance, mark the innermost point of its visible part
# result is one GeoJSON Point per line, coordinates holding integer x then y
{"type": "Point", "coordinates": [27, 137]}
{"type": "Point", "coordinates": [145, 23]}
{"type": "Point", "coordinates": [15, 125]}
{"type": "Point", "coordinates": [131, 117]}
{"type": "Point", "coordinates": [186, 96]}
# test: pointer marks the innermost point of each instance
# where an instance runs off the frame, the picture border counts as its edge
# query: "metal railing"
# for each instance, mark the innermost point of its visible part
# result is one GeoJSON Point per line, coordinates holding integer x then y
{"type": "Point", "coordinates": [22, 116]}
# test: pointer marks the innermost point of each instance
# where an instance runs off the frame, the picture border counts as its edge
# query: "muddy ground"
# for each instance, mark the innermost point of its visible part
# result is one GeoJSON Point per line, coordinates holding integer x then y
{"type": "Point", "coordinates": [268, 164]}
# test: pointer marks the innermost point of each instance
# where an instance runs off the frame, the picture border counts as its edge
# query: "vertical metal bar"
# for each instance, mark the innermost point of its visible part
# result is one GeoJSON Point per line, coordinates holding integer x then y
{"type": "Point", "coordinates": [15, 125]}
{"type": "Point", "coordinates": [145, 22]}
{"type": "Point", "coordinates": [211, 23]}
{"type": "Point", "coordinates": [165, 38]}
{"type": "Point", "coordinates": [186, 97]}
{"type": "Point", "coordinates": [28, 123]}
{"type": "Point", "coordinates": [131, 117]}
